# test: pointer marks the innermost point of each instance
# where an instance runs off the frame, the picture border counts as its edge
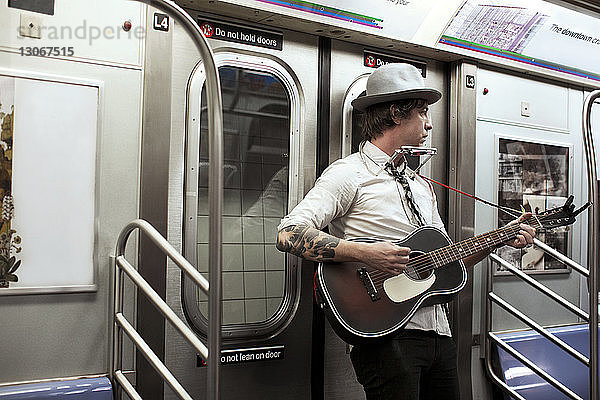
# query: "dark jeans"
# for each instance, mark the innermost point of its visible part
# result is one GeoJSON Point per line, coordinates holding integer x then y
{"type": "Point", "coordinates": [415, 365]}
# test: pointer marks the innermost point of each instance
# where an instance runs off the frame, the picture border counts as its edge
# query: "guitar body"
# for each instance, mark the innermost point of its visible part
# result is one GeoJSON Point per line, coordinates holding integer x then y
{"type": "Point", "coordinates": [361, 304]}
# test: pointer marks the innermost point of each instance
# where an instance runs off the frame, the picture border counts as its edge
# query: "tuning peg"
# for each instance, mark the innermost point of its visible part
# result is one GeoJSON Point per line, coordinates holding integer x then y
{"type": "Point", "coordinates": [584, 207]}
{"type": "Point", "coordinates": [569, 201]}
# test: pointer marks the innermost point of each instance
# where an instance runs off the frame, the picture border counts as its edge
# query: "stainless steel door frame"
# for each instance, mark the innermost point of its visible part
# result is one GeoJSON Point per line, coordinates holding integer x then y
{"type": "Point", "coordinates": [154, 177]}
{"type": "Point", "coordinates": [593, 231]}
{"type": "Point", "coordinates": [290, 377]}
{"type": "Point", "coordinates": [499, 118]}
{"type": "Point", "coordinates": [461, 212]}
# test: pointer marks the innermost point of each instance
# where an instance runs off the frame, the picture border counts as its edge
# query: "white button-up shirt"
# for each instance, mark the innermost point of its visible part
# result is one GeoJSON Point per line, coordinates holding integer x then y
{"type": "Point", "coordinates": [356, 198]}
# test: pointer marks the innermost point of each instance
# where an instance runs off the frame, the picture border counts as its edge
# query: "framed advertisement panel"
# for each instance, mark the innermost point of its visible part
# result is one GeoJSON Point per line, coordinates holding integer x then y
{"type": "Point", "coordinates": [48, 150]}
{"type": "Point", "coordinates": [533, 176]}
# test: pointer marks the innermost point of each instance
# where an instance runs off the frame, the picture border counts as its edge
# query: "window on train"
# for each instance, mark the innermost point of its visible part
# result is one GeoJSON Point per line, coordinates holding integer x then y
{"type": "Point", "coordinates": [357, 135]}
{"type": "Point", "coordinates": [256, 125]}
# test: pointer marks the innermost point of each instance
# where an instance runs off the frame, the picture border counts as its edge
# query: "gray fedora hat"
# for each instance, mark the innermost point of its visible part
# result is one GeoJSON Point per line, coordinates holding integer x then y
{"type": "Point", "coordinates": [395, 81]}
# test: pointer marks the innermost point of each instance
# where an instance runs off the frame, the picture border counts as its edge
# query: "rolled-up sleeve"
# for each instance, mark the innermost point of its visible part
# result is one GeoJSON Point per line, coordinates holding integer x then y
{"type": "Point", "coordinates": [331, 197]}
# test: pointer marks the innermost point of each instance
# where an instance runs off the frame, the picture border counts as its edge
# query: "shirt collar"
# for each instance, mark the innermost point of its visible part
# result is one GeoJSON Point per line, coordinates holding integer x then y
{"type": "Point", "coordinates": [380, 157]}
{"type": "Point", "coordinates": [375, 153]}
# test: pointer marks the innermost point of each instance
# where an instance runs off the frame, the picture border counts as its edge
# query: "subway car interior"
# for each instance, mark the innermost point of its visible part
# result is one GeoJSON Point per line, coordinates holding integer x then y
{"type": "Point", "coordinates": [195, 126]}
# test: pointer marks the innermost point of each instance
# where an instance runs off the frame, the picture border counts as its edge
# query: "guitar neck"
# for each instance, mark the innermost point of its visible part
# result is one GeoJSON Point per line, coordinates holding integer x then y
{"type": "Point", "coordinates": [468, 247]}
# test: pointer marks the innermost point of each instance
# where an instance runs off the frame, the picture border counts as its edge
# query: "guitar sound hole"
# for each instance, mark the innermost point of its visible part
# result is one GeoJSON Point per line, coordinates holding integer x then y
{"type": "Point", "coordinates": [419, 271]}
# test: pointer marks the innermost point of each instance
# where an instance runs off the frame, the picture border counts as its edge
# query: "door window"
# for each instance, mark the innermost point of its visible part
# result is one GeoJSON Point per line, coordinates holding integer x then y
{"type": "Point", "coordinates": [258, 284]}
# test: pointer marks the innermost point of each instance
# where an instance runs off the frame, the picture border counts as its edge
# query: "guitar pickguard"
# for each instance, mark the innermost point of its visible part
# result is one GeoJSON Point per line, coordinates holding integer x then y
{"type": "Point", "coordinates": [401, 288]}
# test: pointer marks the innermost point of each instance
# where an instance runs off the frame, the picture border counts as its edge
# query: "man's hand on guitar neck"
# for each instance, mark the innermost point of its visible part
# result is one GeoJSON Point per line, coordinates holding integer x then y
{"type": "Point", "coordinates": [524, 238]}
{"type": "Point", "coordinates": [526, 234]}
{"type": "Point", "coordinates": [315, 245]}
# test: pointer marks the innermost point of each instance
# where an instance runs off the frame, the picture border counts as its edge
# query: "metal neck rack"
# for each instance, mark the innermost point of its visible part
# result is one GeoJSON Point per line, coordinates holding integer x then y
{"type": "Point", "coordinates": [591, 274]}
{"type": "Point", "coordinates": [215, 193]}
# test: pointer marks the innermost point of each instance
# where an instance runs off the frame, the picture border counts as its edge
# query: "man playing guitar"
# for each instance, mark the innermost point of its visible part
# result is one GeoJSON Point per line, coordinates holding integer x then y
{"type": "Point", "coordinates": [362, 197]}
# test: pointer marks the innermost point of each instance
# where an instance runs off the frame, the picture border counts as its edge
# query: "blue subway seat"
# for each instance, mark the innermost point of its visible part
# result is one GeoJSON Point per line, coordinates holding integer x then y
{"type": "Point", "coordinates": [556, 362]}
{"type": "Point", "coordinates": [82, 389]}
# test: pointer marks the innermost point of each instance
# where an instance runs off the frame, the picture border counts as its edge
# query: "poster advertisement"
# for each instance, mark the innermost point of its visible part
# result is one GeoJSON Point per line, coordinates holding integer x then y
{"type": "Point", "coordinates": [533, 177]}
{"type": "Point", "coordinates": [47, 190]}
{"type": "Point", "coordinates": [9, 240]}
{"type": "Point", "coordinates": [397, 19]}
{"type": "Point", "coordinates": [528, 32]}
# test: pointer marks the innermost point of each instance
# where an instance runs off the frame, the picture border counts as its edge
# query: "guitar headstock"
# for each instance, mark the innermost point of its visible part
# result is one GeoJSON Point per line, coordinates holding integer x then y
{"type": "Point", "coordinates": [560, 216]}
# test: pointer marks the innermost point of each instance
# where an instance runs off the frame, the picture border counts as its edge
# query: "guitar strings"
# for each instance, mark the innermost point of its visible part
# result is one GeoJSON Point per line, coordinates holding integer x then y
{"type": "Point", "coordinates": [426, 262]}
{"type": "Point", "coordinates": [427, 257]}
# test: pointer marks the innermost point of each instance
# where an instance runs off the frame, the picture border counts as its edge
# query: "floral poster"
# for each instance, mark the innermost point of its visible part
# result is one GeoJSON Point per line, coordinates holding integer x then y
{"type": "Point", "coordinates": [9, 241]}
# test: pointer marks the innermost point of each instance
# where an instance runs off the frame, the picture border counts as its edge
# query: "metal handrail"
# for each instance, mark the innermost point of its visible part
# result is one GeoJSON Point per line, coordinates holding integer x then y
{"type": "Point", "coordinates": [537, 327]}
{"type": "Point", "coordinates": [548, 292]}
{"type": "Point", "coordinates": [524, 360]}
{"type": "Point", "coordinates": [593, 234]}
{"type": "Point", "coordinates": [561, 257]}
{"type": "Point", "coordinates": [492, 297]}
{"type": "Point", "coordinates": [590, 273]}
{"type": "Point", "coordinates": [154, 360]}
{"type": "Point", "coordinates": [120, 323]}
{"type": "Point", "coordinates": [215, 185]}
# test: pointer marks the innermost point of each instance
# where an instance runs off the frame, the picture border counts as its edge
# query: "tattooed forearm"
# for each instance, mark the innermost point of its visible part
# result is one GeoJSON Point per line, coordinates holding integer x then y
{"type": "Point", "coordinates": [307, 242]}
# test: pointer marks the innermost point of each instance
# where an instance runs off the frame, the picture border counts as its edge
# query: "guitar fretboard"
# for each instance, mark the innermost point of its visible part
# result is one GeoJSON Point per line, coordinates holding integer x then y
{"type": "Point", "coordinates": [458, 251]}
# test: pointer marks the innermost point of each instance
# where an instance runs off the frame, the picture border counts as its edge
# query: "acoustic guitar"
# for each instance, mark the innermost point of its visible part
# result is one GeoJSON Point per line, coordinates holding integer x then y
{"type": "Point", "coordinates": [364, 304]}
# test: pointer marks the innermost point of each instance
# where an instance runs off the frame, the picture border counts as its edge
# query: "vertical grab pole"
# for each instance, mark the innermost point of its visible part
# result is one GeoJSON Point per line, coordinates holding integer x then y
{"type": "Point", "coordinates": [117, 357]}
{"type": "Point", "coordinates": [485, 340]}
{"type": "Point", "coordinates": [215, 186]}
{"type": "Point", "coordinates": [593, 232]}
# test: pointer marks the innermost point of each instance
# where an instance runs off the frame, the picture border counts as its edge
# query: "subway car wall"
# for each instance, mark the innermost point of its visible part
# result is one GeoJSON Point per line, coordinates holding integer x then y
{"type": "Point", "coordinates": [104, 120]}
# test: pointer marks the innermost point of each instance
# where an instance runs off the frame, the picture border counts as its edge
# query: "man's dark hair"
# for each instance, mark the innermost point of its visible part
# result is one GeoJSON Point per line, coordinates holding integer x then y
{"type": "Point", "coordinates": [382, 116]}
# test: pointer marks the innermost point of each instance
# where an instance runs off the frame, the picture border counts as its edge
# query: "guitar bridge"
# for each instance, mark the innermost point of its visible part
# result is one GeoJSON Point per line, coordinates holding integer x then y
{"type": "Point", "coordinates": [365, 278]}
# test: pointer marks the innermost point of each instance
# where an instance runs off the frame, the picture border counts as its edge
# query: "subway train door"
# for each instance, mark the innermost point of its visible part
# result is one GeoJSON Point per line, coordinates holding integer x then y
{"type": "Point", "coordinates": [529, 154]}
{"type": "Point", "coordinates": [532, 129]}
{"type": "Point", "coordinates": [351, 65]}
{"type": "Point", "coordinates": [269, 82]}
